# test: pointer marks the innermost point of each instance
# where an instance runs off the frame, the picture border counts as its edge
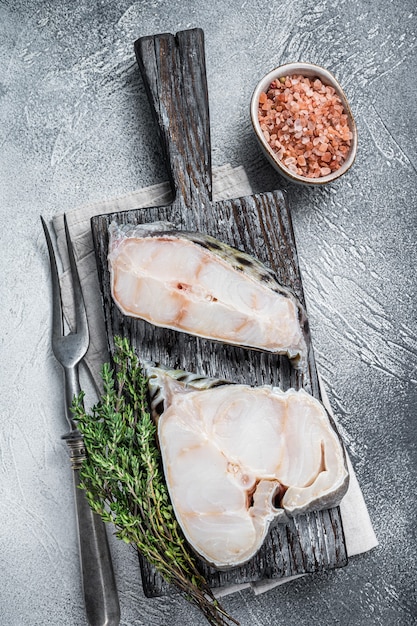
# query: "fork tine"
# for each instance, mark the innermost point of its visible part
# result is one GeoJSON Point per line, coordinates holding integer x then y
{"type": "Point", "coordinates": [81, 324]}
{"type": "Point", "coordinates": [57, 318]}
{"type": "Point", "coordinates": [69, 349]}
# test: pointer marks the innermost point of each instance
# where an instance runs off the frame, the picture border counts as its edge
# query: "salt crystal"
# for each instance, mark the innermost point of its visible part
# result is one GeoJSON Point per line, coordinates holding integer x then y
{"type": "Point", "coordinates": [290, 161]}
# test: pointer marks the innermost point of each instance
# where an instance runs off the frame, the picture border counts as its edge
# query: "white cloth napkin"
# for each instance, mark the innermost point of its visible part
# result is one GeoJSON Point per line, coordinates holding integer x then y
{"type": "Point", "coordinates": [228, 183]}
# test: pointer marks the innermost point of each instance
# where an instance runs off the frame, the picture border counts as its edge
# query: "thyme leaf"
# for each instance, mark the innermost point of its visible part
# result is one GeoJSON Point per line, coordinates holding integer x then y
{"type": "Point", "coordinates": [124, 483]}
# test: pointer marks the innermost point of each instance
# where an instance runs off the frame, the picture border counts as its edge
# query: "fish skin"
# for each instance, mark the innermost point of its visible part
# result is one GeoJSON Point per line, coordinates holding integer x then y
{"type": "Point", "coordinates": [239, 261]}
{"type": "Point", "coordinates": [185, 380]}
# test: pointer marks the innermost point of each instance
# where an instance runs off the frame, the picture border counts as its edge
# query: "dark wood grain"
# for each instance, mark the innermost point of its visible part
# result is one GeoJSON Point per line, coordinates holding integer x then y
{"type": "Point", "coordinates": [173, 70]}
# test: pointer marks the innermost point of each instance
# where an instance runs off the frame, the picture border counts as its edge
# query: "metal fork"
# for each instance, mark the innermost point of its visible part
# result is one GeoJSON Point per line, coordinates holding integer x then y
{"type": "Point", "coordinates": [99, 587]}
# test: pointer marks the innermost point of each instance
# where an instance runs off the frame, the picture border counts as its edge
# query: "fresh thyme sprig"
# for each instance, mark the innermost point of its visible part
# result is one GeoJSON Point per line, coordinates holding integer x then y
{"type": "Point", "coordinates": [124, 482]}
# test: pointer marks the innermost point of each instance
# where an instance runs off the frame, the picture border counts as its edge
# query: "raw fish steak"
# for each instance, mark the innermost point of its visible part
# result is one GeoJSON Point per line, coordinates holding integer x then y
{"type": "Point", "coordinates": [193, 283]}
{"type": "Point", "coordinates": [238, 459]}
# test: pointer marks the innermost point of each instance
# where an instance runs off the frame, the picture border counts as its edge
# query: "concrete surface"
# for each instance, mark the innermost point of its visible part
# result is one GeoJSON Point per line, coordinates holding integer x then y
{"type": "Point", "coordinates": [75, 127]}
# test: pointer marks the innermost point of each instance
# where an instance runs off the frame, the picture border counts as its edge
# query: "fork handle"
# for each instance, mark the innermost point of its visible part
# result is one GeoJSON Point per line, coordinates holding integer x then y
{"type": "Point", "coordinates": [99, 585]}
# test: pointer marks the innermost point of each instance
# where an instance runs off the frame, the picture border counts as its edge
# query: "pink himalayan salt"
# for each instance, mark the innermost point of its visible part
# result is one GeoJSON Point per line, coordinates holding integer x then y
{"type": "Point", "coordinates": [304, 122]}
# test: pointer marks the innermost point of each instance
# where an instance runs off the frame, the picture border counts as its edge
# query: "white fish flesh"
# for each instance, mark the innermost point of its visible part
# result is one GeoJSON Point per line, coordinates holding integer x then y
{"type": "Point", "coordinates": [194, 283]}
{"type": "Point", "coordinates": [238, 459]}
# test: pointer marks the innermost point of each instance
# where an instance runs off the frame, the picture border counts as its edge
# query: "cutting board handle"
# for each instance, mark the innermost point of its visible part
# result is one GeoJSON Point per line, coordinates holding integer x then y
{"type": "Point", "coordinates": [174, 73]}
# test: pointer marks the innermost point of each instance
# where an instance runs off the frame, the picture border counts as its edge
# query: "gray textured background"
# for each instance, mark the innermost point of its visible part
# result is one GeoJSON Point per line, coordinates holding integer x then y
{"type": "Point", "coordinates": [75, 127]}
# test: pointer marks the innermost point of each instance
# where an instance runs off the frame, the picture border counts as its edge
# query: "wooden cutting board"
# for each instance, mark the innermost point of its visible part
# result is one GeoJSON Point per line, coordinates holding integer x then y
{"type": "Point", "coordinates": [173, 70]}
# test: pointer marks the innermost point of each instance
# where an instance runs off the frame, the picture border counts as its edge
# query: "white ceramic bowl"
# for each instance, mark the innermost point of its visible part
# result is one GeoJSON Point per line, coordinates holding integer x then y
{"type": "Point", "coordinates": [308, 70]}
